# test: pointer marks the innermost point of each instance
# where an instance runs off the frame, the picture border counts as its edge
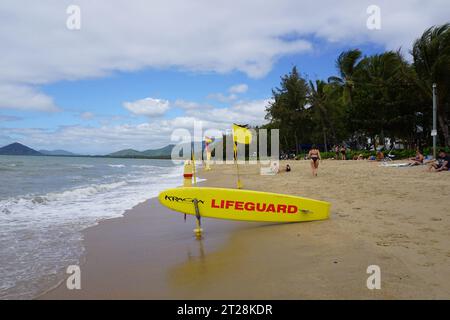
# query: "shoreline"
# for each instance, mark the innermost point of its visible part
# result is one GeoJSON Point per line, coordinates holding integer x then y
{"type": "Point", "coordinates": [378, 217]}
{"type": "Point", "coordinates": [95, 250]}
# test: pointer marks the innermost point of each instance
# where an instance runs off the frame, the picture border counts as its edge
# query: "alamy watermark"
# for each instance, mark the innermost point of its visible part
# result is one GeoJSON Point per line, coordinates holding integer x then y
{"type": "Point", "coordinates": [73, 282]}
{"type": "Point", "coordinates": [188, 144]}
{"type": "Point", "coordinates": [73, 21]}
{"type": "Point", "coordinates": [373, 22]}
{"type": "Point", "coordinates": [374, 280]}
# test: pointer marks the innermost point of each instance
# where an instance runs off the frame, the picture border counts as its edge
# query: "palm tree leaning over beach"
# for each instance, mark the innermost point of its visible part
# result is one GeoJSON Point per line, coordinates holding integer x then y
{"type": "Point", "coordinates": [346, 64]}
{"type": "Point", "coordinates": [431, 53]}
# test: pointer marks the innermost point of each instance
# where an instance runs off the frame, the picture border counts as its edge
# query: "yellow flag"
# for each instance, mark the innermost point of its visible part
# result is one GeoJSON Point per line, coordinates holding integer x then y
{"type": "Point", "coordinates": [208, 140]}
{"type": "Point", "coordinates": [241, 135]}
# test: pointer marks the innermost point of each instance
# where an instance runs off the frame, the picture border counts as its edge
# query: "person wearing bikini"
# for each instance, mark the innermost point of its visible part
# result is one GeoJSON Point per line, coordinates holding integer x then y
{"type": "Point", "coordinates": [343, 152]}
{"type": "Point", "coordinates": [336, 152]}
{"type": "Point", "coordinates": [314, 155]}
{"type": "Point", "coordinates": [417, 160]}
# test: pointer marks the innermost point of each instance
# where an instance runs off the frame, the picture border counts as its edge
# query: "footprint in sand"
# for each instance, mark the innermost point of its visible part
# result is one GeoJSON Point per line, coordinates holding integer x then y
{"type": "Point", "coordinates": [395, 239]}
{"type": "Point", "coordinates": [397, 236]}
{"type": "Point", "coordinates": [383, 244]}
{"type": "Point", "coordinates": [427, 264]}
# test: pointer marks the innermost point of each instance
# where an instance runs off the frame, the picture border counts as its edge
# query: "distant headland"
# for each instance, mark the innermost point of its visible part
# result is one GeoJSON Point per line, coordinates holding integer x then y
{"type": "Point", "coordinates": [18, 149]}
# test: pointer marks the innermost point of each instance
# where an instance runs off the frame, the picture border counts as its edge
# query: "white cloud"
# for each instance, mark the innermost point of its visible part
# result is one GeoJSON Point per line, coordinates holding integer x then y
{"type": "Point", "coordinates": [248, 112]}
{"type": "Point", "coordinates": [239, 88]}
{"type": "Point", "coordinates": [233, 95]}
{"type": "Point", "coordinates": [87, 115]}
{"type": "Point", "coordinates": [222, 98]}
{"type": "Point", "coordinates": [204, 35]}
{"type": "Point", "coordinates": [148, 107]}
{"type": "Point", "coordinates": [91, 140]}
{"type": "Point", "coordinates": [152, 134]}
{"type": "Point", "coordinates": [190, 105]}
{"type": "Point", "coordinates": [20, 97]}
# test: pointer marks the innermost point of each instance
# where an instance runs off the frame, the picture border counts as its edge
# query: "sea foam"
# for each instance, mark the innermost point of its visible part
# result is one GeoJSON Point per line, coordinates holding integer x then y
{"type": "Point", "coordinates": [41, 233]}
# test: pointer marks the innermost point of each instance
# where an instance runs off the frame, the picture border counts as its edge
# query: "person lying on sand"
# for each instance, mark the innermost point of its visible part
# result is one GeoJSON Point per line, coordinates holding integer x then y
{"type": "Point", "coordinates": [417, 160]}
{"type": "Point", "coordinates": [442, 163]}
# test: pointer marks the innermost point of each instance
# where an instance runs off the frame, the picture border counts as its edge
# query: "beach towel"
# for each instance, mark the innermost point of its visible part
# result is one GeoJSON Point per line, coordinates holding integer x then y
{"type": "Point", "coordinates": [394, 165]}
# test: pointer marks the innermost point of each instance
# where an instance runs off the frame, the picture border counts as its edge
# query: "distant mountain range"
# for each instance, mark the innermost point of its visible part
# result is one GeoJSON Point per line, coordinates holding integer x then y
{"type": "Point", "coordinates": [19, 149]}
{"type": "Point", "coordinates": [164, 152]}
{"type": "Point", "coordinates": [57, 153]}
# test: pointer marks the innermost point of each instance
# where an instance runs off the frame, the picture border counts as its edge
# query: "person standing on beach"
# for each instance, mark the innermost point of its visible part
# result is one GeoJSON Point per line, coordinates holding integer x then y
{"type": "Point", "coordinates": [336, 152]}
{"type": "Point", "coordinates": [314, 155]}
{"type": "Point", "coordinates": [343, 152]}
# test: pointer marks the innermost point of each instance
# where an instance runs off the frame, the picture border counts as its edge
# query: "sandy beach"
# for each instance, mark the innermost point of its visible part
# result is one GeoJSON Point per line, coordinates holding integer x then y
{"type": "Point", "coordinates": [396, 218]}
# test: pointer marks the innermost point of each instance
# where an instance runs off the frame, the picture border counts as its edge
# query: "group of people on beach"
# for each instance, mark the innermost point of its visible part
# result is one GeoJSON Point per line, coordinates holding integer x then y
{"type": "Point", "coordinates": [442, 163]}
{"type": "Point", "coordinates": [340, 152]}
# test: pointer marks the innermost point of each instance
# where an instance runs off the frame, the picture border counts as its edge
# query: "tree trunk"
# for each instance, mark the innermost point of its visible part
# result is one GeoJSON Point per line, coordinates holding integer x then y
{"type": "Point", "coordinates": [382, 142]}
{"type": "Point", "coordinates": [325, 139]}
{"type": "Point", "coordinates": [326, 118]}
{"type": "Point", "coordinates": [287, 143]}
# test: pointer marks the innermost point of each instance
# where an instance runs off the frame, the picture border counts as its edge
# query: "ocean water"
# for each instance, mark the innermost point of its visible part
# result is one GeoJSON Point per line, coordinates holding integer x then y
{"type": "Point", "coordinates": [45, 203]}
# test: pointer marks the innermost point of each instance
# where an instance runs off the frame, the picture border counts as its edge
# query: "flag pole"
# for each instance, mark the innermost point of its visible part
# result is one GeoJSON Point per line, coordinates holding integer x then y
{"type": "Point", "coordinates": [193, 166]}
{"type": "Point", "coordinates": [240, 135]}
{"type": "Point", "coordinates": [239, 183]}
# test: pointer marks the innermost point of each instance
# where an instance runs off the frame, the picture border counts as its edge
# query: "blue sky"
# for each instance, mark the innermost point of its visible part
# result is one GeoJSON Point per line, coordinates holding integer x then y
{"type": "Point", "coordinates": [104, 97]}
{"type": "Point", "coordinates": [135, 72]}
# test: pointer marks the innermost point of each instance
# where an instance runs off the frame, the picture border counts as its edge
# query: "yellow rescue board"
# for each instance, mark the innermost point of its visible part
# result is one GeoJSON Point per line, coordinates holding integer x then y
{"type": "Point", "coordinates": [247, 205]}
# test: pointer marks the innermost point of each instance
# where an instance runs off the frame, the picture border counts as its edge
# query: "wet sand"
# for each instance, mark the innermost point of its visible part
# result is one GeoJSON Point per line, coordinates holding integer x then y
{"type": "Point", "coordinates": [396, 218]}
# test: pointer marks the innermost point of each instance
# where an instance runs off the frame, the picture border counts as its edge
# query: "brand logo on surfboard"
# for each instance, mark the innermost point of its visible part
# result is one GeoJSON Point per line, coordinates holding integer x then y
{"type": "Point", "coordinates": [255, 206]}
{"type": "Point", "coordinates": [179, 199]}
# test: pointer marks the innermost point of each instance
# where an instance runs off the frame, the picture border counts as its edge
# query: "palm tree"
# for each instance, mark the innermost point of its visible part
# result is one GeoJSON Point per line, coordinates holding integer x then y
{"type": "Point", "coordinates": [319, 100]}
{"type": "Point", "coordinates": [346, 64]}
{"type": "Point", "coordinates": [380, 74]}
{"type": "Point", "coordinates": [431, 53]}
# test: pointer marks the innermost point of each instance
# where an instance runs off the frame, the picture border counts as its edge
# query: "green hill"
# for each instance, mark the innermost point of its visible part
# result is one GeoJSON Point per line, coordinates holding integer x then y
{"type": "Point", "coordinates": [57, 153]}
{"type": "Point", "coordinates": [164, 152]}
{"type": "Point", "coordinates": [126, 153]}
